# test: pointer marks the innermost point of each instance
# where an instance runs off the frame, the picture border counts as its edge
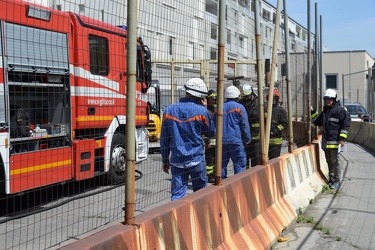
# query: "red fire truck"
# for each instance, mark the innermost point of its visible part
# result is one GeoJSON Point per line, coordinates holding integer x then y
{"type": "Point", "coordinates": [63, 97]}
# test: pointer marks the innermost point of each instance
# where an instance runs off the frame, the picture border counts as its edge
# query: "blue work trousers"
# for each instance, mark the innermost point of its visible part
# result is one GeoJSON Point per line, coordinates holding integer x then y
{"type": "Point", "coordinates": [235, 152]}
{"type": "Point", "coordinates": [180, 178]}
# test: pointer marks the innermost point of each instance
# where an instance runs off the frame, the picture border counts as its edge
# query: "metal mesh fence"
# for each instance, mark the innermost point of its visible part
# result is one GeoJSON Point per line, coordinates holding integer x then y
{"type": "Point", "coordinates": [68, 71]}
{"type": "Point", "coordinates": [356, 93]}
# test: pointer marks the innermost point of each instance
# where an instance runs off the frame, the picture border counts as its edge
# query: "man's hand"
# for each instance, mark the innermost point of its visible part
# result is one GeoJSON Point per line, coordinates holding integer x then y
{"type": "Point", "coordinates": [342, 143]}
{"type": "Point", "coordinates": [166, 167]}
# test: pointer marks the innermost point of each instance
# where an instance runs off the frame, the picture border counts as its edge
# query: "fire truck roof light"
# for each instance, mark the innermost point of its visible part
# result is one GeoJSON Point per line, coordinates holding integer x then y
{"type": "Point", "coordinates": [122, 27]}
{"type": "Point", "coordinates": [38, 13]}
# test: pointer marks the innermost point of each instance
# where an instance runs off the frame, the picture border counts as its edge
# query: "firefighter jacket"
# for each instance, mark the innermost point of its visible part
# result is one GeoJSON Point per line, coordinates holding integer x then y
{"type": "Point", "coordinates": [252, 110]}
{"type": "Point", "coordinates": [335, 122]}
{"type": "Point", "coordinates": [236, 127]}
{"type": "Point", "coordinates": [211, 110]}
{"type": "Point", "coordinates": [279, 122]}
{"type": "Point", "coordinates": [184, 123]}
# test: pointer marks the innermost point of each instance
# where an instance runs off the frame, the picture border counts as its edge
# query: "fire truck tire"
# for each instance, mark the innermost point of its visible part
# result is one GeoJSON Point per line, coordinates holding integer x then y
{"type": "Point", "coordinates": [118, 159]}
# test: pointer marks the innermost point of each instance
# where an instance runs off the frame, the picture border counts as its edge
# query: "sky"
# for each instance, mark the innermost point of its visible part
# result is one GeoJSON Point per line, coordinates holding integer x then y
{"type": "Point", "coordinates": [347, 24]}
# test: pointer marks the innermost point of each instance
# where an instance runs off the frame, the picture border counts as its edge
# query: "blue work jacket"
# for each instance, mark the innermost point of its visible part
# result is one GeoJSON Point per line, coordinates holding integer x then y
{"type": "Point", "coordinates": [236, 127]}
{"type": "Point", "coordinates": [184, 124]}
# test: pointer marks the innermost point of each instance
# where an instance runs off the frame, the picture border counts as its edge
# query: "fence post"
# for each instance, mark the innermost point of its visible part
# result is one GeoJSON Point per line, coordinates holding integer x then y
{"type": "Point", "coordinates": [220, 94]}
{"type": "Point", "coordinates": [130, 113]}
{"type": "Point", "coordinates": [172, 81]}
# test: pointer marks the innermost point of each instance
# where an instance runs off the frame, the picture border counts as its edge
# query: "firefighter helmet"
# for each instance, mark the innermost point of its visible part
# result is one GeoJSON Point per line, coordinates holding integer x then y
{"type": "Point", "coordinates": [276, 93]}
{"type": "Point", "coordinates": [232, 92]}
{"type": "Point", "coordinates": [211, 94]}
{"type": "Point", "coordinates": [247, 89]}
{"type": "Point", "coordinates": [330, 94]}
{"type": "Point", "coordinates": [195, 87]}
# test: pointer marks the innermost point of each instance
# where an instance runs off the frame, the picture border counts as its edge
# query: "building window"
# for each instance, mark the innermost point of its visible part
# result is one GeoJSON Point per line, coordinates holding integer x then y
{"type": "Point", "coordinates": [213, 31]}
{"type": "Point", "coordinates": [331, 81]}
{"type": "Point", "coordinates": [229, 36]}
{"type": "Point", "coordinates": [170, 45]}
{"type": "Point", "coordinates": [266, 15]}
{"type": "Point", "coordinates": [244, 3]}
{"type": "Point", "coordinates": [81, 8]}
{"type": "Point", "coordinates": [252, 46]}
{"type": "Point", "coordinates": [213, 54]}
{"type": "Point", "coordinates": [98, 55]}
{"type": "Point", "coordinates": [241, 42]}
{"type": "Point", "coordinates": [264, 49]}
{"type": "Point", "coordinates": [191, 51]}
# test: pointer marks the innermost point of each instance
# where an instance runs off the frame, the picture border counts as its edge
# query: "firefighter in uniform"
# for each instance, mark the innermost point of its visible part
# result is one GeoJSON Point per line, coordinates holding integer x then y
{"type": "Point", "coordinates": [210, 143]}
{"type": "Point", "coordinates": [335, 121]}
{"type": "Point", "coordinates": [236, 132]}
{"type": "Point", "coordinates": [250, 101]}
{"type": "Point", "coordinates": [181, 142]}
{"type": "Point", "coordinates": [279, 121]}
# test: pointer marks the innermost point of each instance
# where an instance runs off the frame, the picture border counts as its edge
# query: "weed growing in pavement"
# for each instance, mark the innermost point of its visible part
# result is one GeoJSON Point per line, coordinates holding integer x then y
{"type": "Point", "coordinates": [300, 217]}
{"type": "Point", "coordinates": [325, 188]}
{"type": "Point", "coordinates": [327, 231]}
{"type": "Point", "coordinates": [310, 220]}
{"type": "Point", "coordinates": [319, 227]}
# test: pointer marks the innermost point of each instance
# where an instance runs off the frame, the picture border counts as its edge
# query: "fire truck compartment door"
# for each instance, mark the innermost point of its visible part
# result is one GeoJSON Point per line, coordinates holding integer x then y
{"type": "Point", "coordinates": [32, 48]}
{"type": "Point", "coordinates": [84, 159]}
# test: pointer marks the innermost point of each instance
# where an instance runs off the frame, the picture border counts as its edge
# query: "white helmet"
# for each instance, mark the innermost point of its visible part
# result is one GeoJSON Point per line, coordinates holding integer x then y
{"type": "Point", "coordinates": [195, 87]}
{"type": "Point", "coordinates": [232, 92]}
{"type": "Point", "coordinates": [330, 93]}
{"type": "Point", "coordinates": [247, 89]}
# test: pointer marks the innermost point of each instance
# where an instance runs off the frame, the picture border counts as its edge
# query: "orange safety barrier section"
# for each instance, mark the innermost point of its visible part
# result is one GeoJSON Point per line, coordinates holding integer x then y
{"type": "Point", "coordinates": [248, 211]}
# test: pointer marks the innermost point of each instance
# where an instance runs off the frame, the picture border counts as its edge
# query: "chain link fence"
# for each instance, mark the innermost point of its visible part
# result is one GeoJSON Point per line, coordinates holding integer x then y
{"type": "Point", "coordinates": [183, 40]}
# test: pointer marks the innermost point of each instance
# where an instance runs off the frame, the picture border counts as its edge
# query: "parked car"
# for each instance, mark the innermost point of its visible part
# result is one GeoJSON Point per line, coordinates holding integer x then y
{"type": "Point", "coordinates": [358, 112]}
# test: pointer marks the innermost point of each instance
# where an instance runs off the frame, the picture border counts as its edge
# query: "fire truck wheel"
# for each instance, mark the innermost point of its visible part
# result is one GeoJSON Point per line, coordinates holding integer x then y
{"type": "Point", "coordinates": [118, 159]}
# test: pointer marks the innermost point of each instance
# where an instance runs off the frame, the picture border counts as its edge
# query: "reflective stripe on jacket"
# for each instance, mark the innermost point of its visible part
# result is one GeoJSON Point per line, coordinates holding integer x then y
{"type": "Point", "coordinates": [252, 107]}
{"type": "Point", "coordinates": [279, 122]}
{"type": "Point", "coordinates": [184, 123]}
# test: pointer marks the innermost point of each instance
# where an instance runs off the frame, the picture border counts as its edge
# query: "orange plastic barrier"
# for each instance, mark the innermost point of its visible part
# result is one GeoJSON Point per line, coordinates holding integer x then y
{"type": "Point", "coordinates": [248, 211]}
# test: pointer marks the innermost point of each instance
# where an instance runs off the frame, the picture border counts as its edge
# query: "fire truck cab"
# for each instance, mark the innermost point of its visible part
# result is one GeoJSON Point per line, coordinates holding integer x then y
{"type": "Point", "coordinates": [63, 97]}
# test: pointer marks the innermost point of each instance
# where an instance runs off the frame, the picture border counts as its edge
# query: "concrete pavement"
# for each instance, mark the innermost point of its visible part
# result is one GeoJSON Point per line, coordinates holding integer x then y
{"type": "Point", "coordinates": [343, 219]}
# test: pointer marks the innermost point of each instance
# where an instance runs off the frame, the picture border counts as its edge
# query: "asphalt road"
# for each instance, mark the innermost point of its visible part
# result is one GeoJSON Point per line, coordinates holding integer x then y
{"type": "Point", "coordinates": [56, 216]}
{"type": "Point", "coordinates": [36, 220]}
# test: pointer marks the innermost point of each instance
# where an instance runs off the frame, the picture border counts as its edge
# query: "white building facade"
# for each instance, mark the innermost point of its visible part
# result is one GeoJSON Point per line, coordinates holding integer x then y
{"type": "Point", "coordinates": [188, 30]}
{"type": "Point", "coordinates": [347, 72]}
